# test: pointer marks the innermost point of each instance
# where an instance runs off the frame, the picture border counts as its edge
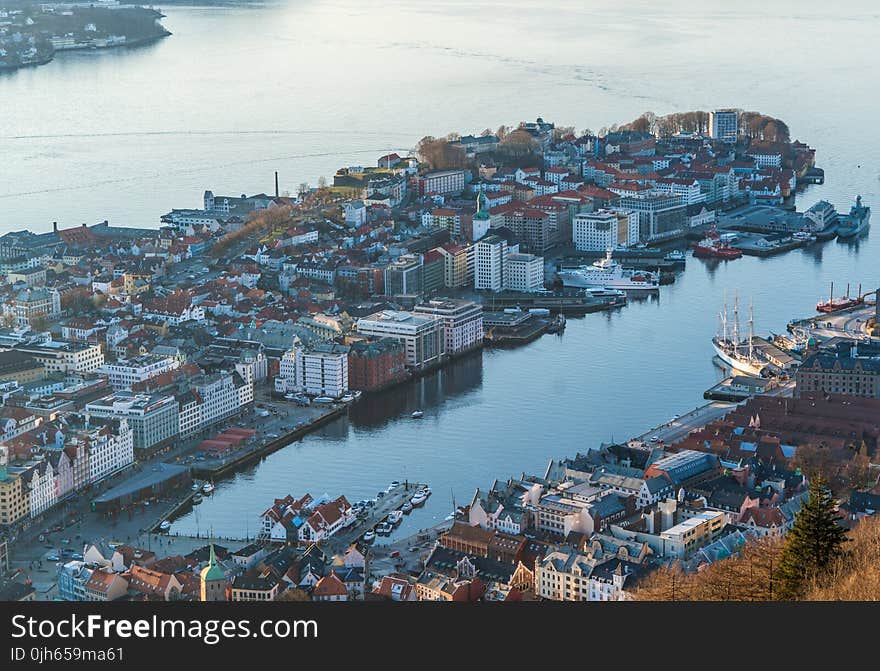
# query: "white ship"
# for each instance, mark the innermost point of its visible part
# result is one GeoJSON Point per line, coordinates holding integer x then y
{"type": "Point", "coordinates": [610, 274]}
{"type": "Point", "coordinates": [739, 355]}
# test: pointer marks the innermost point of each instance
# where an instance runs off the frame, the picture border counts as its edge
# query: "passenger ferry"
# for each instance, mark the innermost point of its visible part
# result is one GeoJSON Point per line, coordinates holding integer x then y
{"type": "Point", "coordinates": [609, 274]}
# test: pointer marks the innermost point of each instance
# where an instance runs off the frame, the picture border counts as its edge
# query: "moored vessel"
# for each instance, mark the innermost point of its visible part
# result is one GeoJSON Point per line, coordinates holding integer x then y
{"type": "Point", "coordinates": [841, 302]}
{"type": "Point", "coordinates": [737, 354]}
{"type": "Point", "coordinates": [714, 247]}
{"type": "Point", "coordinates": [608, 273]}
{"type": "Point", "coordinates": [856, 222]}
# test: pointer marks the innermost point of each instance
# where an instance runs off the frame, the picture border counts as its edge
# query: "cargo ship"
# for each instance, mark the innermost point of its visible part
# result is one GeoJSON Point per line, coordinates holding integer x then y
{"type": "Point", "coordinates": [739, 355]}
{"type": "Point", "coordinates": [610, 274]}
{"type": "Point", "coordinates": [841, 302]}
{"type": "Point", "coordinates": [856, 222]}
{"type": "Point", "coordinates": [713, 247]}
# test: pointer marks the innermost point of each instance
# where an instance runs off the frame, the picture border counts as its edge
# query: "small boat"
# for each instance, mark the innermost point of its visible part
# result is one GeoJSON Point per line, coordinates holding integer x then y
{"type": "Point", "coordinates": [384, 529]}
{"type": "Point", "coordinates": [348, 398]}
{"type": "Point", "coordinates": [395, 517]}
{"type": "Point", "coordinates": [714, 246]}
{"type": "Point", "coordinates": [406, 508]}
{"type": "Point", "coordinates": [425, 490]}
{"type": "Point", "coordinates": [419, 499]}
{"type": "Point", "coordinates": [208, 487]}
{"type": "Point", "coordinates": [197, 499]}
{"type": "Point", "coordinates": [165, 526]}
{"type": "Point", "coordinates": [324, 399]}
{"type": "Point", "coordinates": [195, 486]}
{"type": "Point", "coordinates": [369, 537]}
{"type": "Point", "coordinates": [418, 414]}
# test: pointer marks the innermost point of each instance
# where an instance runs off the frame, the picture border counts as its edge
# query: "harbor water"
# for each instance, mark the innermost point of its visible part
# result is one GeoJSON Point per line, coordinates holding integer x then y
{"type": "Point", "coordinates": [305, 87]}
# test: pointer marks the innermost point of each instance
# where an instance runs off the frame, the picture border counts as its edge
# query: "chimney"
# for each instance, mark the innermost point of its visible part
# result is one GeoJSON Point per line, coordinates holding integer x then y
{"type": "Point", "coordinates": [276, 183]}
{"type": "Point", "coordinates": [55, 228]}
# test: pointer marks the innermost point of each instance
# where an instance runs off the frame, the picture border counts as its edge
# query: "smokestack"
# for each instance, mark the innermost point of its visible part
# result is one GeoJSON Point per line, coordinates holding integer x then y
{"type": "Point", "coordinates": [54, 226]}
{"type": "Point", "coordinates": [276, 183]}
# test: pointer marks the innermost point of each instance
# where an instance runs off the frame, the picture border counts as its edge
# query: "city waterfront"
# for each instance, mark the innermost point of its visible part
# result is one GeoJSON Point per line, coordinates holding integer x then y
{"type": "Point", "coordinates": [610, 375]}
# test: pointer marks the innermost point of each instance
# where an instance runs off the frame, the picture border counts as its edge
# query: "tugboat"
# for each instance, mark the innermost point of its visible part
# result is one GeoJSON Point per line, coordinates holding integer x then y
{"type": "Point", "coordinates": [856, 222]}
{"type": "Point", "coordinates": [841, 303]}
{"type": "Point", "coordinates": [713, 247]}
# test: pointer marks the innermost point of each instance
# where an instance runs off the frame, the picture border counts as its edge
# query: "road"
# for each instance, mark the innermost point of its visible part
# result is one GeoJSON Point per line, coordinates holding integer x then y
{"type": "Point", "coordinates": [677, 428]}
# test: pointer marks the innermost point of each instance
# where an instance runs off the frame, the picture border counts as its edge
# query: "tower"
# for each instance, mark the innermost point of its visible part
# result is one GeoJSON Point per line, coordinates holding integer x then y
{"type": "Point", "coordinates": [212, 580]}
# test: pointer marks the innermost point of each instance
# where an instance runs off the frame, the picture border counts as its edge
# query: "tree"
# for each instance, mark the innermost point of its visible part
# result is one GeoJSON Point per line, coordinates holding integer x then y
{"type": "Point", "coordinates": [814, 542]}
{"type": "Point", "coordinates": [303, 189]}
{"type": "Point", "coordinates": [294, 594]}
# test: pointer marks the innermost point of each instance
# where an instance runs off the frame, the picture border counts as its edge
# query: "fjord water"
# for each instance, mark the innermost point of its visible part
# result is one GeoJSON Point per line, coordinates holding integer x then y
{"type": "Point", "coordinates": [303, 87]}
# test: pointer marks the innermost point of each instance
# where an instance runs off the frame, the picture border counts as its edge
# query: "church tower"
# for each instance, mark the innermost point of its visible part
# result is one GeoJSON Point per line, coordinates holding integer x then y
{"type": "Point", "coordinates": [213, 580]}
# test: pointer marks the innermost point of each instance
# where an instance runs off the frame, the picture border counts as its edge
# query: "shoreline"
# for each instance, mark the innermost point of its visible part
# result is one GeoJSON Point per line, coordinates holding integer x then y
{"type": "Point", "coordinates": [137, 42]}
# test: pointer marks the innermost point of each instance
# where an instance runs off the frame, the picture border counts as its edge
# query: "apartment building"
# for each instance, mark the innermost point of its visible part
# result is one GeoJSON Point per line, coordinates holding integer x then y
{"type": "Point", "coordinates": [422, 335]}
{"type": "Point", "coordinates": [462, 322]}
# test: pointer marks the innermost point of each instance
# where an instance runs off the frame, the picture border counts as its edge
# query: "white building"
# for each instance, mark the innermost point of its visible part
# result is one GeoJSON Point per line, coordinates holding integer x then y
{"type": "Point", "coordinates": [323, 370]}
{"type": "Point", "coordinates": [111, 448]}
{"type": "Point", "coordinates": [153, 418]}
{"type": "Point", "coordinates": [462, 322]}
{"type": "Point", "coordinates": [524, 272]}
{"type": "Point", "coordinates": [60, 356]}
{"type": "Point", "coordinates": [605, 229]}
{"type": "Point", "coordinates": [125, 373]}
{"type": "Point", "coordinates": [688, 536]}
{"type": "Point", "coordinates": [421, 334]}
{"type": "Point", "coordinates": [580, 576]}
{"type": "Point", "coordinates": [490, 261]}
{"type": "Point", "coordinates": [723, 125]}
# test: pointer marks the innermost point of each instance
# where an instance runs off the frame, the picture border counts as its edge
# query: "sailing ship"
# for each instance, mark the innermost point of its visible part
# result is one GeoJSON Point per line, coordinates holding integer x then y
{"type": "Point", "coordinates": [739, 355]}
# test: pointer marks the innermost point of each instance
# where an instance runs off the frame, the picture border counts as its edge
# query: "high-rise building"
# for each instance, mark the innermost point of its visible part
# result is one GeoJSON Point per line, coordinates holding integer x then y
{"type": "Point", "coordinates": [723, 125]}
{"type": "Point", "coordinates": [605, 229]}
{"type": "Point", "coordinates": [490, 262]}
{"type": "Point", "coordinates": [524, 272]}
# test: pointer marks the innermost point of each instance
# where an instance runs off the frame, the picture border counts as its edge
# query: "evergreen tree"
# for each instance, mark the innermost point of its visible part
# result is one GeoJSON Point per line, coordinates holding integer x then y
{"type": "Point", "coordinates": [814, 541]}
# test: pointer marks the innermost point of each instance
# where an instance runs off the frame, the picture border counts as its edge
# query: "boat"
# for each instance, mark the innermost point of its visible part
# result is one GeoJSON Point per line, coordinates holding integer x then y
{"type": "Point", "coordinates": [419, 499]}
{"type": "Point", "coordinates": [348, 398]}
{"type": "Point", "coordinates": [165, 526]}
{"type": "Point", "coordinates": [840, 303]}
{"type": "Point", "coordinates": [425, 490]}
{"type": "Point", "coordinates": [605, 292]}
{"type": "Point", "coordinates": [395, 517]}
{"type": "Point", "coordinates": [557, 324]}
{"type": "Point", "coordinates": [324, 399]}
{"type": "Point", "coordinates": [195, 486]}
{"type": "Point", "coordinates": [608, 273]}
{"type": "Point", "coordinates": [197, 499]}
{"type": "Point", "coordinates": [369, 537]}
{"type": "Point", "coordinates": [677, 257]}
{"type": "Point", "coordinates": [208, 487]}
{"type": "Point", "coordinates": [418, 414]}
{"type": "Point", "coordinates": [406, 508]}
{"type": "Point", "coordinates": [714, 247]}
{"type": "Point", "coordinates": [384, 529]}
{"type": "Point", "coordinates": [737, 354]}
{"type": "Point", "coordinates": [856, 222]}
{"type": "Point", "coordinates": [803, 236]}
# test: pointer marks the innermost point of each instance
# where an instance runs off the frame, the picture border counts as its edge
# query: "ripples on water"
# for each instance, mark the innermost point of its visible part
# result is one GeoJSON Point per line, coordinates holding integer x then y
{"type": "Point", "coordinates": [304, 87]}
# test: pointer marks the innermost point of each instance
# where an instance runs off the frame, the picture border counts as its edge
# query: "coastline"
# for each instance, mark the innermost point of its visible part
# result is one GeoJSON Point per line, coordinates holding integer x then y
{"type": "Point", "coordinates": [136, 42]}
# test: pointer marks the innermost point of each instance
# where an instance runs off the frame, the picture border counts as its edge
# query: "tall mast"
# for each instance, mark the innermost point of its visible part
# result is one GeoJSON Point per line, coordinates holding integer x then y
{"type": "Point", "coordinates": [724, 319]}
{"type": "Point", "coordinates": [735, 323]}
{"type": "Point", "coordinates": [751, 320]}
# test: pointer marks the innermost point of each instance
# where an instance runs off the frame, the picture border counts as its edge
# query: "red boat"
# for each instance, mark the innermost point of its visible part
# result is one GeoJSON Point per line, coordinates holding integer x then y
{"type": "Point", "coordinates": [713, 247]}
{"type": "Point", "coordinates": [841, 303]}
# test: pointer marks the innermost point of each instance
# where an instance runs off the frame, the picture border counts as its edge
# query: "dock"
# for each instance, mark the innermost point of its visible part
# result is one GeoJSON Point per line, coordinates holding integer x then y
{"type": "Point", "coordinates": [385, 505]}
{"type": "Point", "coordinates": [214, 469]}
{"type": "Point", "coordinates": [566, 301]}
